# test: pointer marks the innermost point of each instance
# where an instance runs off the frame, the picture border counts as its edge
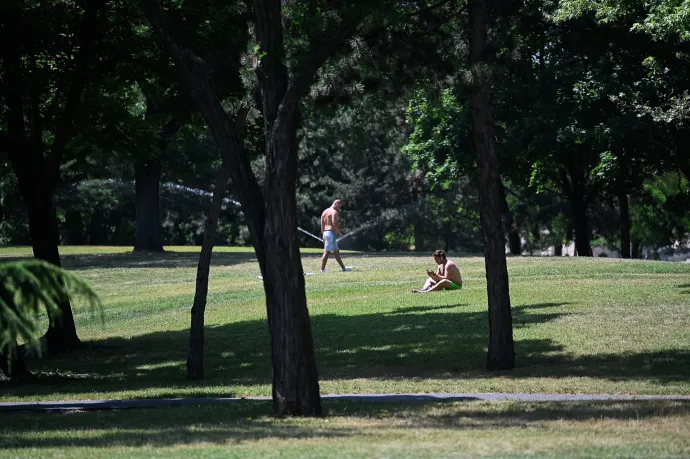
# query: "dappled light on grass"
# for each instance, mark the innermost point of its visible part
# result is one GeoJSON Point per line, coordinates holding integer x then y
{"type": "Point", "coordinates": [581, 326]}
{"type": "Point", "coordinates": [416, 429]}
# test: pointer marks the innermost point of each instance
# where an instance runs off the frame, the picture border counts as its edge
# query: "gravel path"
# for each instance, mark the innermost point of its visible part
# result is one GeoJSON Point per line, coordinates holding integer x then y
{"type": "Point", "coordinates": [82, 405]}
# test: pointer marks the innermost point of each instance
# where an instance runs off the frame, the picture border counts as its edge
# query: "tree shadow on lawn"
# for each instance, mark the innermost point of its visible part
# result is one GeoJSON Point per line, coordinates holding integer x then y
{"type": "Point", "coordinates": [250, 420]}
{"type": "Point", "coordinates": [168, 259]}
{"type": "Point", "coordinates": [410, 342]}
{"type": "Point", "coordinates": [685, 288]}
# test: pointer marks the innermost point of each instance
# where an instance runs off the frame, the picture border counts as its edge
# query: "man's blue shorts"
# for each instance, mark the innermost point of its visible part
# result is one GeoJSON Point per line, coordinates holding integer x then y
{"type": "Point", "coordinates": [330, 243]}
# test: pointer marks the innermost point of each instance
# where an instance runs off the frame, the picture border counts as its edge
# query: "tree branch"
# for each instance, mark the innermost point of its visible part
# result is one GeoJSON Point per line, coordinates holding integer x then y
{"type": "Point", "coordinates": [305, 76]}
{"type": "Point", "coordinates": [93, 26]}
{"type": "Point", "coordinates": [195, 74]}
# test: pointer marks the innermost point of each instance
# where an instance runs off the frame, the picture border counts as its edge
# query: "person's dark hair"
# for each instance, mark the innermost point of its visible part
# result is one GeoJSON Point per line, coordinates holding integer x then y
{"type": "Point", "coordinates": [440, 253]}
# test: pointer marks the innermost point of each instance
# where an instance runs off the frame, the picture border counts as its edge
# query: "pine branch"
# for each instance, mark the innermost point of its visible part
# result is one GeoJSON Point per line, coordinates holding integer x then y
{"type": "Point", "coordinates": [28, 289]}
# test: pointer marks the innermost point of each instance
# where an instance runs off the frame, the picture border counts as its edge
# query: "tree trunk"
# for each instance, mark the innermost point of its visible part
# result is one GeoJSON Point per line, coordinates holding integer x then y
{"type": "Point", "coordinates": [295, 378]}
{"type": "Point", "coordinates": [36, 168]}
{"type": "Point", "coordinates": [501, 353]}
{"type": "Point", "coordinates": [14, 368]}
{"type": "Point", "coordinates": [511, 227]}
{"type": "Point", "coordinates": [581, 223]}
{"type": "Point", "coordinates": [195, 357]}
{"type": "Point", "coordinates": [635, 249]}
{"type": "Point", "coordinates": [625, 224]}
{"type": "Point", "coordinates": [573, 187]}
{"type": "Point", "coordinates": [558, 250]}
{"type": "Point", "coordinates": [147, 177]}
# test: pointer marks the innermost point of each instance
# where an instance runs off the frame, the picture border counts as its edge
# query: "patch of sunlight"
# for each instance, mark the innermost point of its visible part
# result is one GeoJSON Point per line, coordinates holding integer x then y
{"type": "Point", "coordinates": [156, 366]}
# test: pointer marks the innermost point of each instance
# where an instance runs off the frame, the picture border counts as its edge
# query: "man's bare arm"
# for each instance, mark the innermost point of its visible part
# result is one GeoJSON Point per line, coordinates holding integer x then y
{"type": "Point", "coordinates": [336, 224]}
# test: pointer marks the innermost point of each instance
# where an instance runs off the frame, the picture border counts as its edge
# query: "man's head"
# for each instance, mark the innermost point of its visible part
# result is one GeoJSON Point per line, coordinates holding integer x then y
{"type": "Point", "coordinates": [440, 256]}
{"type": "Point", "coordinates": [336, 204]}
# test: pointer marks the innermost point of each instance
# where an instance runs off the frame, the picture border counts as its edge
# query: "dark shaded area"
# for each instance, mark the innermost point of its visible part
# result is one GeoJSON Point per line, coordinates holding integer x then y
{"type": "Point", "coordinates": [685, 289]}
{"type": "Point", "coordinates": [436, 341]}
{"type": "Point", "coordinates": [252, 420]}
{"type": "Point", "coordinates": [168, 259]}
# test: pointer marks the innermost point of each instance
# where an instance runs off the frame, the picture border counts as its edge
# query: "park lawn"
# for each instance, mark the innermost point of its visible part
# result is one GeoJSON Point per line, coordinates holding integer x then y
{"type": "Point", "coordinates": [349, 429]}
{"type": "Point", "coordinates": [580, 325]}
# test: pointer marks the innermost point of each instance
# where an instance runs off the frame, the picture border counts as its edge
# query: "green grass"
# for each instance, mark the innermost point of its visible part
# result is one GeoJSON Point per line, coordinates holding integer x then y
{"type": "Point", "coordinates": [580, 325]}
{"type": "Point", "coordinates": [442, 429]}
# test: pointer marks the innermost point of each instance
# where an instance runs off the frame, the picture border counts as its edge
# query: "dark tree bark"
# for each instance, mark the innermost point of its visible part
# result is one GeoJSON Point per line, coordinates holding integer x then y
{"type": "Point", "coordinates": [36, 166]}
{"type": "Point", "coordinates": [147, 178]}
{"type": "Point", "coordinates": [572, 182]}
{"type": "Point", "coordinates": [195, 357]}
{"type": "Point", "coordinates": [271, 220]}
{"type": "Point", "coordinates": [510, 224]}
{"type": "Point", "coordinates": [501, 347]}
{"type": "Point", "coordinates": [558, 250]}
{"type": "Point", "coordinates": [14, 368]}
{"type": "Point", "coordinates": [635, 249]}
{"type": "Point", "coordinates": [624, 223]}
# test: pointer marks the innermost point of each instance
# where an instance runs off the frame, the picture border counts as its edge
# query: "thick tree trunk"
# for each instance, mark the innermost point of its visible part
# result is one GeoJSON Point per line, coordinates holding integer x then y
{"type": "Point", "coordinates": [36, 166]}
{"type": "Point", "coordinates": [581, 224]}
{"type": "Point", "coordinates": [62, 332]}
{"type": "Point", "coordinates": [195, 357]}
{"type": "Point", "coordinates": [501, 348]}
{"type": "Point", "coordinates": [558, 250]}
{"type": "Point", "coordinates": [624, 223]}
{"type": "Point", "coordinates": [147, 177]}
{"type": "Point", "coordinates": [29, 167]}
{"type": "Point", "coordinates": [295, 378]}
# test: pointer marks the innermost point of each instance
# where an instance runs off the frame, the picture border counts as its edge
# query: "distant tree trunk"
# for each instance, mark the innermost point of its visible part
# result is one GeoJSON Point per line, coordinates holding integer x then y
{"type": "Point", "coordinates": [582, 236]}
{"type": "Point", "coordinates": [624, 223]}
{"type": "Point", "coordinates": [147, 177]}
{"type": "Point", "coordinates": [558, 250]}
{"type": "Point", "coordinates": [419, 243]}
{"type": "Point", "coordinates": [510, 224]}
{"type": "Point", "coordinates": [635, 249]}
{"type": "Point", "coordinates": [195, 357]}
{"type": "Point", "coordinates": [501, 353]}
{"type": "Point", "coordinates": [572, 183]}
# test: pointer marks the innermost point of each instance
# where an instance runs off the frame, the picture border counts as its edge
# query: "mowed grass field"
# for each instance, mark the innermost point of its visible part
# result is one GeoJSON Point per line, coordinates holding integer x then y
{"type": "Point", "coordinates": [580, 326]}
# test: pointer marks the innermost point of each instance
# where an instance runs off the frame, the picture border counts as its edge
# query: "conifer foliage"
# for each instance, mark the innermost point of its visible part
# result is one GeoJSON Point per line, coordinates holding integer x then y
{"type": "Point", "coordinates": [29, 289]}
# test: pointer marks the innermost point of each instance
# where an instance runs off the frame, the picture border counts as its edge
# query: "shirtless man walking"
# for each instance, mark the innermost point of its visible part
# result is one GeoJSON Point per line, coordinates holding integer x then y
{"type": "Point", "coordinates": [330, 228]}
{"type": "Point", "coordinates": [446, 277]}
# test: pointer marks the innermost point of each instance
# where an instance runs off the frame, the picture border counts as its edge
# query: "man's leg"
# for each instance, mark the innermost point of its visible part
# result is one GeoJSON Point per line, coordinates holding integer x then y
{"type": "Point", "coordinates": [428, 284]}
{"type": "Point", "coordinates": [337, 258]}
{"type": "Point", "coordinates": [440, 285]}
{"type": "Point", "coordinates": [324, 259]}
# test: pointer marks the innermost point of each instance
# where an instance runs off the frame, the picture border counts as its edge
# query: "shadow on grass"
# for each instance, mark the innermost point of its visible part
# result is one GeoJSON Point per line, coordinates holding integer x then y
{"type": "Point", "coordinates": [435, 342]}
{"type": "Point", "coordinates": [685, 289]}
{"type": "Point", "coordinates": [249, 420]}
{"type": "Point", "coordinates": [168, 259]}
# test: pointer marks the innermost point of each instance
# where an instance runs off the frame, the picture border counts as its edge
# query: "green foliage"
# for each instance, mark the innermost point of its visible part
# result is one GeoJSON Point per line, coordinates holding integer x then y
{"type": "Point", "coordinates": [27, 290]}
{"type": "Point", "coordinates": [661, 215]}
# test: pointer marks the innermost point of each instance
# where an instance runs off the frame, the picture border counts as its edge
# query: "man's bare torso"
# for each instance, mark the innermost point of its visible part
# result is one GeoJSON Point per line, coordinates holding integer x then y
{"type": "Point", "coordinates": [452, 270]}
{"type": "Point", "coordinates": [329, 220]}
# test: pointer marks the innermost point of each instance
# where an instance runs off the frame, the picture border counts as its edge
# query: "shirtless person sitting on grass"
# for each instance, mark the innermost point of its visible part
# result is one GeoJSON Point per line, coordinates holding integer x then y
{"type": "Point", "coordinates": [446, 277]}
